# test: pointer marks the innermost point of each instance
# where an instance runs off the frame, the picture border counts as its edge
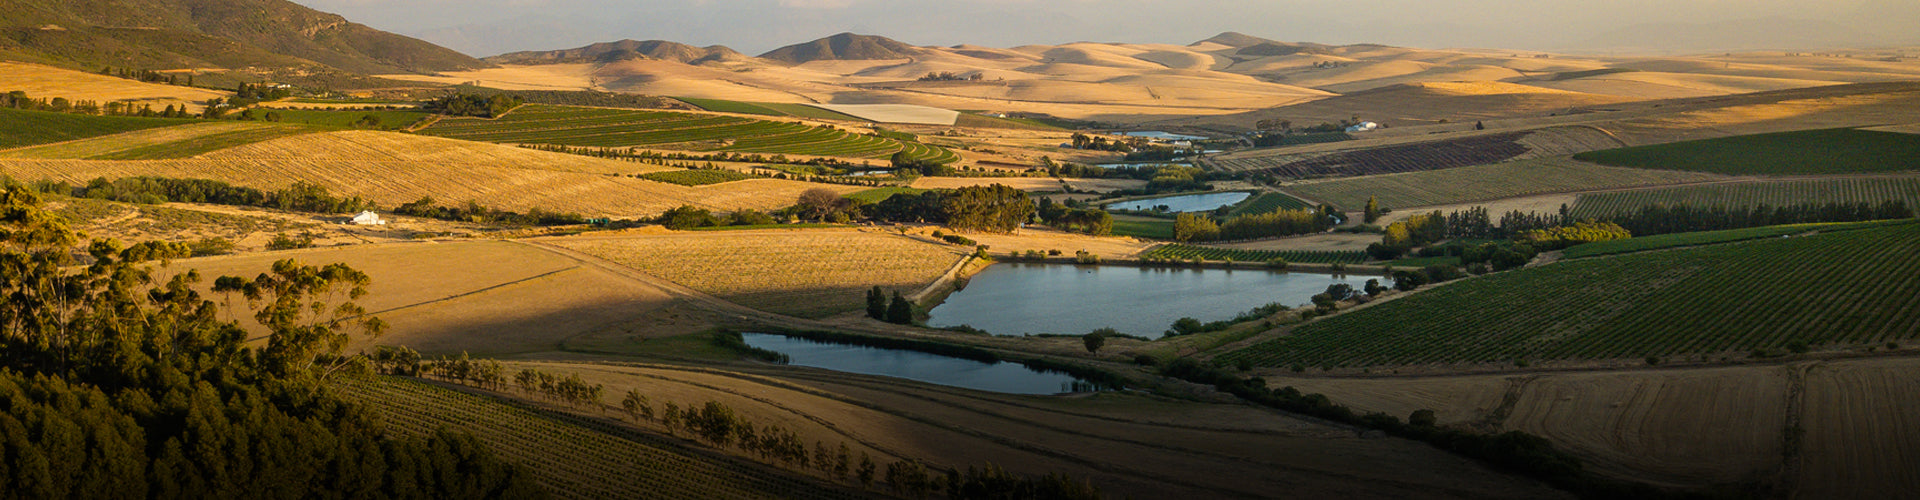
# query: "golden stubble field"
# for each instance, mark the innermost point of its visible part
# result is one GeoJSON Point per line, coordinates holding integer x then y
{"type": "Point", "coordinates": [392, 169]}
{"type": "Point", "coordinates": [808, 273]}
{"type": "Point", "coordinates": [1128, 445]}
{"type": "Point", "coordinates": [1859, 427]}
{"type": "Point", "coordinates": [42, 82]}
{"type": "Point", "coordinates": [485, 297]}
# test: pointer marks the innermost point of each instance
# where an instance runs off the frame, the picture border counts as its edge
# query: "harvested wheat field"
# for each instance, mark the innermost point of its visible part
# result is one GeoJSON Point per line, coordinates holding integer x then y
{"type": "Point", "coordinates": [1862, 427]}
{"type": "Point", "coordinates": [1041, 184]}
{"type": "Point", "coordinates": [1044, 239]}
{"type": "Point", "coordinates": [1687, 426]}
{"type": "Point", "coordinates": [808, 273]}
{"type": "Point", "coordinates": [1128, 445]}
{"type": "Point", "coordinates": [42, 82]}
{"type": "Point", "coordinates": [487, 297]}
{"type": "Point", "coordinates": [392, 169]}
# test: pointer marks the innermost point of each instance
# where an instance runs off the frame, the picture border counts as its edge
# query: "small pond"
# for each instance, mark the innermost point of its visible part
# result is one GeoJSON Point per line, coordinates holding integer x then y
{"type": "Point", "coordinates": [1019, 298]}
{"type": "Point", "coordinates": [1003, 377]}
{"type": "Point", "coordinates": [1184, 203]}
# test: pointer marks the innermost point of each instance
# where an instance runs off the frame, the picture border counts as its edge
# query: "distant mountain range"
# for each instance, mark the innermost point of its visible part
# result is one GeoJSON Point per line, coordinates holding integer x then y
{"type": "Point", "coordinates": [841, 47]}
{"type": "Point", "coordinates": [623, 50]}
{"type": "Point", "coordinates": [229, 34]}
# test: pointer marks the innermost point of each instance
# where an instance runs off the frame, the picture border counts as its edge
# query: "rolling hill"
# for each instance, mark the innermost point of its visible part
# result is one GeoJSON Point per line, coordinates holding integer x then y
{"type": "Point", "coordinates": [230, 34]}
{"type": "Point", "coordinates": [621, 51]}
{"type": "Point", "coordinates": [843, 47]}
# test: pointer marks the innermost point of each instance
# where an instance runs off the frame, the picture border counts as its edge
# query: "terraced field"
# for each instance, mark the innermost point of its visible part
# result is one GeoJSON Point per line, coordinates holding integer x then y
{"type": "Point", "coordinates": [1189, 252]}
{"type": "Point", "coordinates": [1808, 152]}
{"type": "Point", "coordinates": [620, 128]}
{"type": "Point", "coordinates": [1747, 194]}
{"type": "Point", "coordinates": [812, 273]}
{"type": "Point", "coordinates": [1722, 300]}
{"type": "Point", "coordinates": [1486, 182]}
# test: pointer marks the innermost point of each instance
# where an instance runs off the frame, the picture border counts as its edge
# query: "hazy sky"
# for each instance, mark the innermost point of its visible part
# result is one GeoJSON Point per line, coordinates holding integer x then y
{"type": "Point", "coordinates": [489, 27]}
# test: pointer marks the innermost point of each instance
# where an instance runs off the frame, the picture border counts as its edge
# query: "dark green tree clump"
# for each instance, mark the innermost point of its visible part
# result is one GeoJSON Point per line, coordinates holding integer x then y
{"type": "Point", "coordinates": [116, 385]}
{"type": "Point", "coordinates": [877, 303]}
{"type": "Point", "coordinates": [900, 310]}
{"type": "Point", "coordinates": [473, 105]}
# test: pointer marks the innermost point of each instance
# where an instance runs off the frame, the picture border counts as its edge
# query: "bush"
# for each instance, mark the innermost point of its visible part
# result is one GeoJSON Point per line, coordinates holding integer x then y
{"type": "Point", "coordinates": [211, 246]}
{"type": "Point", "coordinates": [1085, 257]}
{"type": "Point", "coordinates": [1145, 360]}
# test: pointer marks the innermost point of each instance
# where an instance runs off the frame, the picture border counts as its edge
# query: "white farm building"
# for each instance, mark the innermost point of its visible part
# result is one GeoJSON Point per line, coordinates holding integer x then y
{"type": "Point", "coordinates": [367, 218]}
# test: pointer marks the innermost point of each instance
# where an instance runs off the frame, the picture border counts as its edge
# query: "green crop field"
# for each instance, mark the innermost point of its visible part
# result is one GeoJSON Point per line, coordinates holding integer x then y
{"type": "Point", "coordinates": [195, 146]}
{"type": "Point", "coordinates": [20, 128]}
{"type": "Point", "coordinates": [1267, 203]}
{"type": "Point", "coordinates": [768, 109]}
{"type": "Point", "coordinates": [618, 128]}
{"type": "Point", "coordinates": [1486, 182]}
{"type": "Point", "coordinates": [1847, 288]}
{"type": "Point", "coordinates": [700, 177]}
{"type": "Point", "coordinates": [1188, 252]}
{"type": "Point", "coordinates": [1748, 194]}
{"type": "Point", "coordinates": [875, 195]}
{"type": "Point", "coordinates": [983, 121]}
{"type": "Point", "coordinates": [1832, 151]}
{"type": "Point", "coordinates": [1143, 227]}
{"type": "Point", "coordinates": [1663, 241]}
{"type": "Point", "coordinates": [388, 119]}
{"type": "Point", "coordinates": [575, 457]}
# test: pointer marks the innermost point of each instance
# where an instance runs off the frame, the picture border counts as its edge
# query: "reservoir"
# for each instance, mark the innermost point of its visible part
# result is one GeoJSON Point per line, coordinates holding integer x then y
{"type": "Point", "coordinates": [1184, 203]}
{"type": "Point", "coordinates": [1020, 298]}
{"type": "Point", "coordinates": [1003, 377]}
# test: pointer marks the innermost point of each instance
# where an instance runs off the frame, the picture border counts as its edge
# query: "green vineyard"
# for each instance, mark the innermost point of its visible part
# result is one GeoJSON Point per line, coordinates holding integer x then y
{"type": "Point", "coordinates": [1657, 242]}
{"type": "Point", "coordinates": [576, 457]}
{"type": "Point", "coordinates": [1485, 182]}
{"type": "Point", "coordinates": [699, 177]}
{"type": "Point", "coordinates": [1189, 252]}
{"type": "Point", "coordinates": [27, 128]}
{"type": "Point", "coordinates": [1267, 203]}
{"type": "Point", "coordinates": [1852, 288]}
{"type": "Point", "coordinates": [768, 109]}
{"type": "Point", "coordinates": [621, 128]}
{"type": "Point", "coordinates": [1807, 152]}
{"type": "Point", "coordinates": [1748, 194]}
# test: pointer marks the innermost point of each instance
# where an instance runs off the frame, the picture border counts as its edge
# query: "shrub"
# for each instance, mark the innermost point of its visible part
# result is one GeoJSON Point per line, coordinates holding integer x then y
{"type": "Point", "coordinates": [1145, 360]}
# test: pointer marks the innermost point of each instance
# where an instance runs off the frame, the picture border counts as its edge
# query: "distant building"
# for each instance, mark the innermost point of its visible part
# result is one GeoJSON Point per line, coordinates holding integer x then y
{"type": "Point", "coordinates": [1364, 127]}
{"type": "Point", "coordinates": [367, 218]}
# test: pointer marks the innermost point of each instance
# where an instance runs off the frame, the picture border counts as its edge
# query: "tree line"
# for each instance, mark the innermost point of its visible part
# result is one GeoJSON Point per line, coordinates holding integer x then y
{"type": "Point", "coordinates": [20, 100]}
{"type": "Point", "coordinates": [1188, 226]}
{"type": "Point", "coordinates": [302, 196]}
{"type": "Point", "coordinates": [120, 384]}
